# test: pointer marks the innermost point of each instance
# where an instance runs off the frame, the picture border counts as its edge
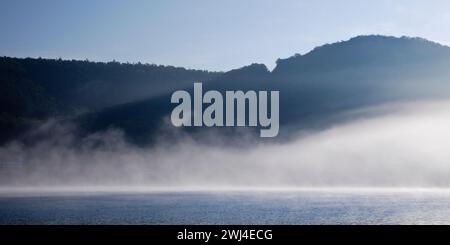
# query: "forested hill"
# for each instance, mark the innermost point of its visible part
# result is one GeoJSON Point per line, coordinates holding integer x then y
{"type": "Point", "coordinates": [39, 88]}
{"type": "Point", "coordinates": [314, 87]}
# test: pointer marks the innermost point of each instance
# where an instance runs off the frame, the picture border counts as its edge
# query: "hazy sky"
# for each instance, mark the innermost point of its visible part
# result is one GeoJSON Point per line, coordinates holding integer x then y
{"type": "Point", "coordinates": [214, 35]}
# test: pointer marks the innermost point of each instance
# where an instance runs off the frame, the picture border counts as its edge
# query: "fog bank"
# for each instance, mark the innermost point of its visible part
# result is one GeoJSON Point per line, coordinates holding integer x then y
{"type": "Point", "coordinates": [406, 147]}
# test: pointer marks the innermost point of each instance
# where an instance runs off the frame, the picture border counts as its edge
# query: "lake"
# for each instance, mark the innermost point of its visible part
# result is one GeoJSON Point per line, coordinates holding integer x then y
{"type": "Point", "coordinates": [227, 207]}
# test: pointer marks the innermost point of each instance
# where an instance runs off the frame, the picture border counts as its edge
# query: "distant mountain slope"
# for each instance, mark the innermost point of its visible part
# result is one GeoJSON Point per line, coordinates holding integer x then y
{"type": "Point", "coordinates": [315, 87]}
{"type": "Point", "coordinates": [362, 71]}
{"type": "Point", "coordinates": [364, 51]}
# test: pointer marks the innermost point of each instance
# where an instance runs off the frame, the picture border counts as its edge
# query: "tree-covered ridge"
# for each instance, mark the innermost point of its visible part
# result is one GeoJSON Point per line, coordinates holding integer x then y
{"type": "Point", "coordinates": [38, 88]}
{"type": "Point", "coordinates": [314, 87]}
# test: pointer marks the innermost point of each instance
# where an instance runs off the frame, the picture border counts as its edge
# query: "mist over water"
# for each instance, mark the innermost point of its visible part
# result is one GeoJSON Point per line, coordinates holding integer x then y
{"type": "Point", "coordinates": [406, 146]}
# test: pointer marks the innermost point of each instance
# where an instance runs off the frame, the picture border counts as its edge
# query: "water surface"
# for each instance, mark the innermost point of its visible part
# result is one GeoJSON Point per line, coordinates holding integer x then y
{"type": "Point", "coordinates": [295, 207]}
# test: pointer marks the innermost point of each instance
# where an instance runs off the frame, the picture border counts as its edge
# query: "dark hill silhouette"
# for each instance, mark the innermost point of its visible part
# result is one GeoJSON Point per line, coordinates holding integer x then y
{"type": "Point", "coordinates": [314, 87]}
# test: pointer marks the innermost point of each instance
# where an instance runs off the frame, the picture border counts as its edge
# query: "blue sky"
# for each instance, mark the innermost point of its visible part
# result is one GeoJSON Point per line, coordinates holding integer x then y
{"type": "Point", "coordinates": [206, 34]}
